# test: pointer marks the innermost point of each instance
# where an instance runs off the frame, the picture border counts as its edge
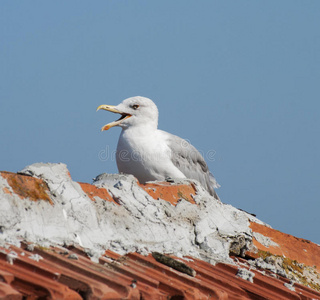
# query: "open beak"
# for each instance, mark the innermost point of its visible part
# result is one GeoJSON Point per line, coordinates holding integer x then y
{"type": "Point", "coordinates": [112, 108]}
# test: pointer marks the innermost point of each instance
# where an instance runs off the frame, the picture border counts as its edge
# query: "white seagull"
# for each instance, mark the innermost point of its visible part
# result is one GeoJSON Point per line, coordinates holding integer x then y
{"type": "Point", "coordinates": [152, 154]}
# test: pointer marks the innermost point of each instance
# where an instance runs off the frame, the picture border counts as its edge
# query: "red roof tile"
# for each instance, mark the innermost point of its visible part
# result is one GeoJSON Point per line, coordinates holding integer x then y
{"type": "Point", "coordinates": [92, 191]}
{"type": "Point", "coordinates": [171, 193]}
{"type": "Point", "coordinates": [69, 274]}
{"type": "Point", "coordinates": [26, 186]}
{"type": "Point", "coordinates": [297, 249]}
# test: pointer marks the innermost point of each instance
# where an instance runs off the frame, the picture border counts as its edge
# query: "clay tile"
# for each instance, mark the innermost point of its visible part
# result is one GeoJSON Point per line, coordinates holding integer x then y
{"type": "Point", "coordinates": [27, 187]}
{"type": "Point", "coordinates": [301, 250]}
{"type": "Point", "coordinates": [170, 192]}
{"type": "Point", "coordinates": [92, 191]}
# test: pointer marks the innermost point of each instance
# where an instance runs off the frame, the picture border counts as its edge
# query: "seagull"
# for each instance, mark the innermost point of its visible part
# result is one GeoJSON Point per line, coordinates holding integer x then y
{"type": "Point", "coordinates": [151, 154]}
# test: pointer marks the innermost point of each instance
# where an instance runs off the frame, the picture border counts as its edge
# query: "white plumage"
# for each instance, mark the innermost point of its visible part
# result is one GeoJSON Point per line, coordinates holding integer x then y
{"type": "Point", "coordinates": [152, 154]}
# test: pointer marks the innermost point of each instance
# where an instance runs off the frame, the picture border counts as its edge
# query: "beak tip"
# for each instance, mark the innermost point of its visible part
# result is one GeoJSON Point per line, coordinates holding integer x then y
{"type": "Point", "coordinates": [105, 127]}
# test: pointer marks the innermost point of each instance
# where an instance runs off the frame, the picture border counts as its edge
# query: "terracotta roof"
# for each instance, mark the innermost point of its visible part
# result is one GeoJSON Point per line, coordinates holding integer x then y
{"type": "Point", "coordinates": [68, 273]}
{"type": "Point", "coordinates": [295, 248]}
{"type": "Point", "coordinates": [31, 271]}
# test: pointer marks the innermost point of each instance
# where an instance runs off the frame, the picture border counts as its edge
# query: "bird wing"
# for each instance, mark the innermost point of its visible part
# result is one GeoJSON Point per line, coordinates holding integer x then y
{"type": "Point", "coordinates": [190, 162]}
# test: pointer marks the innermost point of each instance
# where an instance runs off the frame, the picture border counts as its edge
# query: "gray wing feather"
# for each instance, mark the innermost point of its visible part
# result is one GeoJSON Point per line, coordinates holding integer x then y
{"type": "Point", "coordinates": [191, 163]}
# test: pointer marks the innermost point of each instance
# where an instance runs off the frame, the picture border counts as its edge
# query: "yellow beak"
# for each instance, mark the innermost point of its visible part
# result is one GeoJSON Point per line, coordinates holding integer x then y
{"type": "Point", "coordinates": [114, 110]}
{"type": "Point", "coordinates": [109, 108]}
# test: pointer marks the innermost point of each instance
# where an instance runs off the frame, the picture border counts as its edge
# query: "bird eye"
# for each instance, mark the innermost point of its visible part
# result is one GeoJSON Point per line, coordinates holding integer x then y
{"type": "Point", "coordinates": [135, 106]}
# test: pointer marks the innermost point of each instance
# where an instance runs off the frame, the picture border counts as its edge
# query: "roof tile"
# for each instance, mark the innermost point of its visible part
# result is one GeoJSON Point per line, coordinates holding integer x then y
{"type": "Point", "coordinates": [297, 249]}
{"type": "Point", "coordinates": [132, 276]}
{"type": "Point", "coordinates": [26, 187]}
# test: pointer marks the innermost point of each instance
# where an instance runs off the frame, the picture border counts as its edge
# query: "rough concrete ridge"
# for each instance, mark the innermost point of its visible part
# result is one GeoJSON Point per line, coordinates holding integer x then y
{"type": "Point", "coordinates": [130, 221]}
{"type": "Point", "coordinates": [42, 205]}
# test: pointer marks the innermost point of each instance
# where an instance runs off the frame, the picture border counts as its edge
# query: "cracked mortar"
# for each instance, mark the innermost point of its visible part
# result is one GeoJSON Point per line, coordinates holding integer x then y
{"type": "Point", "coordinates": [207, 230]}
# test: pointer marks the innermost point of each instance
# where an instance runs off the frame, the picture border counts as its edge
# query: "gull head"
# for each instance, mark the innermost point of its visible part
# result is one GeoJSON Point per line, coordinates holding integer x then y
{"type": "Point", "coordinates": [134, 111]}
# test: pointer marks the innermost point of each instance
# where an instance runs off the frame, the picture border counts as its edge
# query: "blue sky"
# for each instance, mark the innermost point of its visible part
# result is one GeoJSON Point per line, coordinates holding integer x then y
{"type": "Point", "coordinates": [240, 79]}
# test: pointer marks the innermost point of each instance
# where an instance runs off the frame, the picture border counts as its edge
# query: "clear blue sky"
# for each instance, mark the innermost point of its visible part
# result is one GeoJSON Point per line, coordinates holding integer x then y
{"type": "Point", "coordinates": [241, 78]}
